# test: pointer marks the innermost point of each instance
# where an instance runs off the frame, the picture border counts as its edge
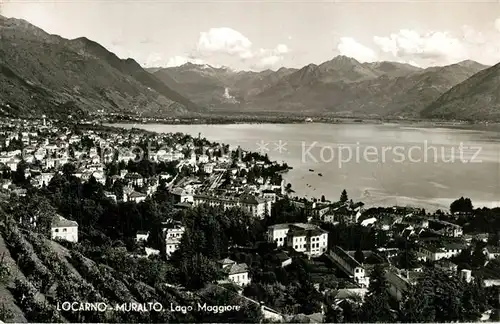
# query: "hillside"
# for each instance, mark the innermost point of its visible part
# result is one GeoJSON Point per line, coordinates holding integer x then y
{"type": "Point", "coordinates": [477, 98]}
{"type": "Point", "coordinates": [339, 86]}
{"type": "Point", "coordinates": [37, 274]}
{"type": "Point", "coordinates": [47, 74]}
{"type": "Point", "coordinates": [207, 85]}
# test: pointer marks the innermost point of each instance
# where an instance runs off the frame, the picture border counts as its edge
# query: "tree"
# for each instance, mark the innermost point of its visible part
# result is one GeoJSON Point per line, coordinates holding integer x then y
{"type": "Point", "coordinates": [323, 199]}
{"type": "Point", "coordinates": [359, 256]}
{"type": "Point", "coordinates": [376, 308]}
{"type": "Point", "coordinates": [408, 259]}
{"type": "Point", "coordinates": [5, 313]}
{"type": "Point", "coordinates": [334, 314]}
{"type": "Point", "coordinates": [343, 196]}
{"type": "Point", "coordinates": [478, 257]}
{"type": "Point", "coordinates": [197, 271]}
{"type": "Point", "coordinates": [378, 281]}
{"type": "Point", "coordinates": [462, 204]}
{"type": "Point", "coordinates": [418, 305]}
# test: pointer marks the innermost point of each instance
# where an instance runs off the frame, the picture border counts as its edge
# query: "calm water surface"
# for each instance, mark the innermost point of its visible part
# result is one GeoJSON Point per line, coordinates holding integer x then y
{"type": "Point", "coordinates": [380, 164]}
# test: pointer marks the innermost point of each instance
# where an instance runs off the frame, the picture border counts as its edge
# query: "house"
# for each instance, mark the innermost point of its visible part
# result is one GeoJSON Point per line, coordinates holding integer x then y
{"type": "Point", "coordinates": [434, 253]}
{"type": "Point", "coordinates": [490, 274]}
{"type": "Point", "coordinates": [141, 236]}
{"type": "Point", "coordinates": [269, 195]}
{"type": "Point", "coordinates": [491, 252]}
{"type": "Point", "coordinates": [349, 265]}
{"type": "Point", "coordinates": [64, 229]}
{"type": "Point", "coordinates": [255, 206]}
{"type": "Point", "coordinates": [134, 178]}
{"type": "Point", "coordinates": [446, 266]}
{"type": "Point", "coordinates": [182, 195]}
{"type": "Point", "coordinates": [175, 232]}
{"type": "Point", "coordinates": [446, 228]}
{"type": "Point", "coordinates": [110, 195]}
{"type": "Point", "coordinates": [400, 281]}
{"type": "Point", "coordinates": [236, 272]}
{"type": "Point", "coordinates": [137, 197]}
{"type": "Point", "coordinates": [311, 241]}
{"type": "Point", "coordinates": [173, 236]}
{"type": "Point", "coordinates": [46, 177]}
{"type": "Point", "coordinates": [320, 210]}
{"type": "Point", "coordinates": [208, 168]}
{"type": "Point", "coordinates": [150, 252]}
{"type": "Point", "coordinates": [278, 233]}
{"type": "Point", "coordinates": [466, 275]}
{"type": "Point", "coordinates": [306, 238]}
{"type": "Point", "coordinates": [342, 214]}
{"type": "Point", "coordinates": [5, 183]}
{"type": "Point", "coordinates": [284, 259]}
{"type": "Point", "coordinates": [346, 293]}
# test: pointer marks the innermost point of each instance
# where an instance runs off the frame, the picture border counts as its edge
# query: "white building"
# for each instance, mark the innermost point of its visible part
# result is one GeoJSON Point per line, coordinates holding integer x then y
{"type": "Point", "coordinates": [150, 251]}
{"type": "Point", "coordinates": [236, 272]}
{"type": "Point", "coordinates": [64, 229]}
{"type": "Point", "coordinates": [311, 241]}
{"type": "Point", "coordinates": [141, 236]}
{"type": "Point", "coordinates": [173, 237]}
{"type": "Point", "coordinates": [135, 196]}
{"type": "Point", "coordinates": [430, 253]}
{"type": "Point", "coordinates": [208, 168]}
{"type": "Point", "coordinates": [491, 252]}
{"type": "Point", "coordinates": [269, 195]}
{"type": "Point", "coordinates": [255, 206]}
{"type": "Point", "coordinates": [306, 238]}
{"type": "Point", "coordinates": [277, 233]}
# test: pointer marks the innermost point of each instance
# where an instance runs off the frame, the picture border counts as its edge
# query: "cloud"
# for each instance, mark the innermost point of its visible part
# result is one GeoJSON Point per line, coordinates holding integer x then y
{"type": "Point", "coordinates": [270, 61]}
{"type": "Point", "coordinates": [224, 40]}
{"type": "Point", "coordinates": [226, 46]}
{"type": "Point", "coordinates": [282, 48]}
{"type": "Point", "coordinates": [441, 47]}
{"type": "Point", "coordinates": [181, 60]}
{"type": "Point", "coordinates": [410, 44]}
{"type": "Point", "coordinates": [269, 58]}
{"type": "Point", "coordinates": [350, 47]}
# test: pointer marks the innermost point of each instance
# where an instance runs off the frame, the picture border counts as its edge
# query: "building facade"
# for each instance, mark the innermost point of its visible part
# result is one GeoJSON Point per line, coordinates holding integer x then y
{"type": "Point", "coordinates": [63, 229]}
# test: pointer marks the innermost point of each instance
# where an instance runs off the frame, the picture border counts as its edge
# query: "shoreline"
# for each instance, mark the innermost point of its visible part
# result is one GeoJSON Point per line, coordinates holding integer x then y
{"type": "Point", "coordinates": [417, 124]}
{"type": "Point", "coordinates": [402, 201]}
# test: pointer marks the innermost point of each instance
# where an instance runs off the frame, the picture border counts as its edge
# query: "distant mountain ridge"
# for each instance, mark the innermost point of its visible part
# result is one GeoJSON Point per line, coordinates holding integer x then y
{"type": "Point", "coordinates": [47, 74]}
{"type": "Point", "coordinates": [477, 98]}
{"type": "Point", "coordinates": [339, 86]}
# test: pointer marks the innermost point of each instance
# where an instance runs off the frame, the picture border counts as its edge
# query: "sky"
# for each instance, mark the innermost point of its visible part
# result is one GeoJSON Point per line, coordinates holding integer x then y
{"type": "Point", "coordinates": [258, 35]}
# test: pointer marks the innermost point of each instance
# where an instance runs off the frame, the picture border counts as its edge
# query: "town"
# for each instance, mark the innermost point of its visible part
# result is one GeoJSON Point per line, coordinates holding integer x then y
{"type": "Point", "coordinates": [94, 213]}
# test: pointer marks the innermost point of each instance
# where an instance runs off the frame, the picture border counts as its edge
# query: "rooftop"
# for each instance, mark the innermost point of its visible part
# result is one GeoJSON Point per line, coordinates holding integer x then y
{"type": "Point", "coordinates": [60, 221]}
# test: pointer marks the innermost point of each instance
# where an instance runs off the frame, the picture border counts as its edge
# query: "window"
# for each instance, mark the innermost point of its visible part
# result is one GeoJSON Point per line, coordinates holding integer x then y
{"type": "Point", "coordinates": [56, 230]}
{"type": "Point", "coordinates": [65, 230]}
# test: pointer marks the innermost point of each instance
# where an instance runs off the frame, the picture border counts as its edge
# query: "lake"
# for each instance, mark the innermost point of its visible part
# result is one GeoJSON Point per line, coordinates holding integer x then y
{"type": "Point", "coordinates": [384, 165]}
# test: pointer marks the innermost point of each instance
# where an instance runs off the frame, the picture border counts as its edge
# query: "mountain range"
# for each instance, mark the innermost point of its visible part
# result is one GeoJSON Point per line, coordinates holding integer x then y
{"type": "Point", "coordinates": [341, 86]}
{"type": "Point", "coordinates": [47, 74]}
